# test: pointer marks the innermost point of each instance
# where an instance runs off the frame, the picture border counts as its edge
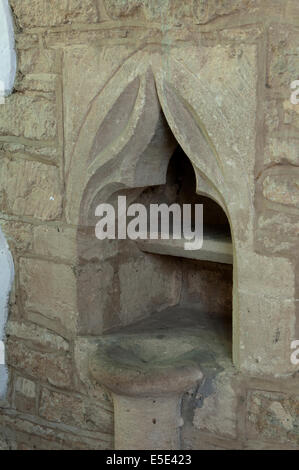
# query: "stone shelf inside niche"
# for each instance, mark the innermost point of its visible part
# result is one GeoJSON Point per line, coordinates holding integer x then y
{"type": "Point", "coordinates": [217, 247]}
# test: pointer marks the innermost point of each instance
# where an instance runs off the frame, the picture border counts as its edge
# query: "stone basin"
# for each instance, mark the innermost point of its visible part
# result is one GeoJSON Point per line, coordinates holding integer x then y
{"type": "Point", "coordinates": [143, 364]}
{"type": "Point", "coordinates": [148, 366]}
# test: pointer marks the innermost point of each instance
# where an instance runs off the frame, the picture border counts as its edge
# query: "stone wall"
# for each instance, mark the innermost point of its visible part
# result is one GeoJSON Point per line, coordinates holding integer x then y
{"type": "Point", "coordinates": [51, 403]}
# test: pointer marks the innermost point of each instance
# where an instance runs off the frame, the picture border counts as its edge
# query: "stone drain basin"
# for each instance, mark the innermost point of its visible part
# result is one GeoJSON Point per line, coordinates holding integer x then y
{"type": "Point", "coordinates": [147, 367]}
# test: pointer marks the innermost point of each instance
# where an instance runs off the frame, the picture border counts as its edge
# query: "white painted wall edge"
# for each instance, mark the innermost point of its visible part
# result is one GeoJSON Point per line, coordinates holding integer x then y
{"type": "Point", "coordinates": [6, 280]}
{"type": "Point", "coordinates": [8, 59]}
{"type": "Point", "coordinates": [8, 65]}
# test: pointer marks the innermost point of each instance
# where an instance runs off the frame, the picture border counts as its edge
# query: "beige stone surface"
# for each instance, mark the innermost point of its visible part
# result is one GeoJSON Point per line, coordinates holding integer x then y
{"type": "Point", "coordinates": [282, 189]}
{"type": "Point", "coordinates": [219, 411]}
{"type": "Point", "coordinates": [44, 293]}
{"type": "Point", "coordinates": [31, 189]}
{"type": "Point", "coordinates": [278, 232]}
{"type": "Point", "coordinates": [282, 151]}
{"type": "Point", "coordinates": [38, 336]}
{"type": "Point", "coordinates": [18, 235]}
{"type": "Point", "coordinates": [200, 11]}
{"type": "Point", "coordinates": [28, 115]}
{"type": "Point", "coordinates": [25, 395]}
{"type": "Point", "coordinates": [283, 58]}
{"type": "Point", "coordinates": [54, 368]}
{"type": "Point", "coordinates": [274, 416]}
{"type": "Point", "coordinates": [265, 338]}
{"type": "Point", "coordinates": [263, 275]}
{"type": "Point", "coordinates": [55, 242]}
{"type": "Point", "coordinates": [37, 13]}
{"type": "Point", "coordinates": [81, 412]}
{"type": "Point", "coordinates": [35, 434]}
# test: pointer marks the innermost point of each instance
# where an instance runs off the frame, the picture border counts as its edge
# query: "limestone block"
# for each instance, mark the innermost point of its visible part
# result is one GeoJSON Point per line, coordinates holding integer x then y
{"type": "Point", "coordinates": [263, 275]}
{"type": "Point", "coordinates": [18, 235]}
{"type": "Point", "coordinates": [291, 115]}
{"type": "Point", "coordinates": [30, 13]}
{"type": "Point", "coordinates": [83, 349]}
{"type": "Point", "coordinates": [55, 242]}
{"type": "Point", "coordinates": [37, 336]}
{"type": "Point", "coordinates": [49, 436]}
{"type": "Point", "coordinates": [30, 188]}
{"type": "Point", "coordinates": [282, 188]}
{"type": "Point", "coordinates": [218, 411]}
{"type": "Point", "coordinates": [52, 368]}
{"type": "Point", "coordinates": [282, 151]}
{"type": "Point", "coordinates": [28, 115]}
{"type": "Point", "coordinates": [283, 58]}
{"type": "Point", "coordinates": [98, 297]}
{"type": "Point", "coordinates": [42, 82]}
{"type": "Point", "coordinates": [49, 289]}
{"type": "Point", "coordinates": [25, 395]}
{"type": "Point", "coordinates": [278, 233]}
{"type": "Point", "coordinates": [33, 60]}
{"type": "Point", "coordinates": [48, 153]}
{"type": "Point", "coordinates": [274, 416]}
{"type": "Point", "coordinates": [271, 113]}
{"type": "Point", "coordinates": [268, 328]}
{"type": "Point", "coordinates": [201, 11]}
{"type": "Point", "coordinates": [77, 411]}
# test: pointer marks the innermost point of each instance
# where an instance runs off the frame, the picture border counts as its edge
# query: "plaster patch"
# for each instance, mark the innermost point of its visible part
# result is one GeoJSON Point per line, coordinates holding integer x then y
{"type": "Point", "coordinates": [8, 62]}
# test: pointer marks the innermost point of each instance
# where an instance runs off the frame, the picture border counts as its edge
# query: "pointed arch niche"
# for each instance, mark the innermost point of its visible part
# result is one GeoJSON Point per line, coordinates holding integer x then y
{"type": "Point", "coordinates": [134, 152]}
{"type": "Point", "coordinates": [138, 114]}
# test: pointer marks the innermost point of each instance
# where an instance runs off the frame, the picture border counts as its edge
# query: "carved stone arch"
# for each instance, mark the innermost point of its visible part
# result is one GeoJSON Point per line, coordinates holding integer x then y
{"type": "Point", "coordinates": [125, 143]}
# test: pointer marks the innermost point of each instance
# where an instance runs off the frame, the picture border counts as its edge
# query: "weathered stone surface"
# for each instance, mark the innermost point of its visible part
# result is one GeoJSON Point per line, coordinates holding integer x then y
{"type": "Point", "coordinates": [42, 280]}
{"type": "Point", "coordinates": [192, 438]}
{"type": "Point", "coordinates": [18, 235]}
{"type": "Point", "coordinates": [201, 11]}
{"type": "Point", "coordinates": [42, 82]}
{"type": "Point", "coordinates": [52, 368]}
{"type": "Point", "coordinates": [99, 310]}
{"type": "Point", "coordinates": [76, 411]}
{"type": "Point", "coordinates": [271, 115]}
{"type": "Point", "coordinates": [291, 116]}
{"type": "Point", "coordinates": [282, 151]}
{"type": "Point", "coordinates": [210, 285]}
{"type": "Point", "coordinates": [30, 14]}
{"type": "Point", "coordinates": [37, 336]}
{"type": "Point", "coordinates": [267, 332]}
{"type": "Point", "coordinates": [33, 60]}
{"type": "Point", "coordinates": [29, 188]}
{"type": "Point", "coordinates": [55, 242]}
{"type": "Point", "coordinates": [25, 395]}
{"type": "Point", "coordinates": [278, 233]}
{"type": "Point", "coordinates": [5, 444]}
{"type": "Point", "coordinates": [218, 411]}
{"type": "Point", "coordinates": [33, 433]}
{"type": "Point", "coordinates": [282, 189]}
{"type": "Point", "coordinates": [274, 416]}
{"type": "Point", "coordinates": [83, 349]}
{"type": "Point", "coordinates": [41, 152]}
{"type": "Point", "coordinates": [28, 115]}
{"type": "Point", "coordinates": [254, 268]}
{"type": "Point", "coordinates": [283, 58]}
{"type": "Point", "coordinates": [156, 286]}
